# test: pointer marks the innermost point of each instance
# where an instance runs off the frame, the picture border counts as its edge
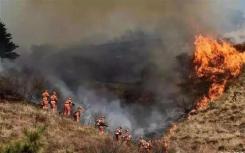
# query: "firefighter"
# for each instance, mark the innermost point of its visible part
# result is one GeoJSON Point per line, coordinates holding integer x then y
{"type": "Point", "coordinates": [68, 107]}
{"type": "Point", "coordinates": [144, 146]}
{"type": "Point", "coordinates": [53, 101]}
{"type": "Point", "coordinates": [148, 146]}
{"type": "Point", "coordinates": [127, 137]}
{"type": "Point", "coordinates": [45, 98]}
{"type": "Point", "coordinates": [141, 145]}
{"type": "Point", "coordinates": [71, 105]}
{"type": "Point", "coordinates": [77, 114]}
{"type": "Point", "coordinates": [165, 146]}
{"type": "Point", "coordinates": [118, 133]}
{"type": "Point", "coordinates": [235, 95]}
{"type": "Point", "coordinates": [45, 93]}
{"type": "Point", "coordinates": [100, 124]}
{"type": "Point", "coordinates": [45, 103]}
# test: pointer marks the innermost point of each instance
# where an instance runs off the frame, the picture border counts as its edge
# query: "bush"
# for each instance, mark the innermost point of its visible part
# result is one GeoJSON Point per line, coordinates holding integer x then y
{"type": "Point", "coordinates": [29, 144]}
{"type": "Point", "coordinates": [17, 85]}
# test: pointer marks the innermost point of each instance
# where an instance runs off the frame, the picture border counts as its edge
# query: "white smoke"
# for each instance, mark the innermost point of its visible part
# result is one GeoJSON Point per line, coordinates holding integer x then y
{"type": "Point", "coordinates": [167, 29]}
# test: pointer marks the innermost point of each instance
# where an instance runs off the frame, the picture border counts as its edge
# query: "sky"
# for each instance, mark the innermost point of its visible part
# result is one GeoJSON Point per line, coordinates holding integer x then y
{"type": "Point", "coordinates": [64, 22]}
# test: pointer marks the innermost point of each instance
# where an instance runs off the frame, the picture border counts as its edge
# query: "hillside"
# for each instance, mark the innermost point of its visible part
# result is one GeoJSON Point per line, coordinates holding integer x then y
{"type": "Point", "coordinates": [220, 128]}
{"type": "Point", "coordinates": [20, 122]}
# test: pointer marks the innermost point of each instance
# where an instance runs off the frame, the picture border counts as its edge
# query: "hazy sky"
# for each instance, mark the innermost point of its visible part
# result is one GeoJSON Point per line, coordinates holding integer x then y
{"type": "Point", "coordinates": [64, 22]}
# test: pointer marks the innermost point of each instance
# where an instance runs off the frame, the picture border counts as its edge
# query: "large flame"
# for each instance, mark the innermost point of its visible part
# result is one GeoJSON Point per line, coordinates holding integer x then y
{"type": "Point", "coordinates": [216, 62]}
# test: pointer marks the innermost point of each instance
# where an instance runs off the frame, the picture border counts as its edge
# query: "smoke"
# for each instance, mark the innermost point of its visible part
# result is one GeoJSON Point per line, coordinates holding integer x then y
{"type": "Point", "coordinates": [90, 50]}
{"type": "Point", "coordinates": [62, 22]}
{"type": "Point", "coordinates": [237, 36]}
{"type": "Point", "coordinates": [86, 73]}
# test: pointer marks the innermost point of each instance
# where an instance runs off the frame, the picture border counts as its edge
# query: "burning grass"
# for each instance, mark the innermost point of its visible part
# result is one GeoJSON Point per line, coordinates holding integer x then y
{"type": "Point", "coordinates": [216, 62]}
{"type": "Point", "coordinates": [215, 124]}
{"type": "Point", "coordinates": [219, 128]}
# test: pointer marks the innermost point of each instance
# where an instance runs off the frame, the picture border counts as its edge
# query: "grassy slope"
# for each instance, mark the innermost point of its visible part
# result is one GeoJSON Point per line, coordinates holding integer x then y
{"type": "Point", "coordinates": [219, 128]}
{"type": "Point", "coordinates": [61, 134]}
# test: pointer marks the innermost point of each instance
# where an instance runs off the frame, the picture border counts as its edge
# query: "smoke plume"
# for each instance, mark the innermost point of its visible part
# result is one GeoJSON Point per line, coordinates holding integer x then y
{"type": "Point", "coordinates": [90, 50]}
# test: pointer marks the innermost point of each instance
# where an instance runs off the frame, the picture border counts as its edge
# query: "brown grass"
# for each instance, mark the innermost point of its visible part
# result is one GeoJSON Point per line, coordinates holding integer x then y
{"type": "Point", "coordinates": [219, 128]}
{"type": "Point", "coordinates": [62, 135]}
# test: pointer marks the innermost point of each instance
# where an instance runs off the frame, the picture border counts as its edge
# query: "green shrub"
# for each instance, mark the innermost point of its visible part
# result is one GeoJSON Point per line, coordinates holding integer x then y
{"type": "Point", "coordinates": [29, 144]}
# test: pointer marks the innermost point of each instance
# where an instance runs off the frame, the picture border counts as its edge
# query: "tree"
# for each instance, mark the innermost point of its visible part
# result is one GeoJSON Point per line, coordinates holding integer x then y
{"type": "Point", "coordinates": [7, 47]}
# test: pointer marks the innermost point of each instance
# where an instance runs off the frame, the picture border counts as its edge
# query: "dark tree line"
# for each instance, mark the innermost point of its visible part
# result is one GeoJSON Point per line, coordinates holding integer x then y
{"type": "Point", "coordinates": [7, 47]}
{"type": "Point", "coordinates": [7, 51]}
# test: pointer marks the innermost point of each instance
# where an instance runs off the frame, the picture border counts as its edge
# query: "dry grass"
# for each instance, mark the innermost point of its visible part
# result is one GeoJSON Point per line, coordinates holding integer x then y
{"type": "Point", "coordinates": [219, 128]}
{"type": "Point", "coordinates": [62, 135]}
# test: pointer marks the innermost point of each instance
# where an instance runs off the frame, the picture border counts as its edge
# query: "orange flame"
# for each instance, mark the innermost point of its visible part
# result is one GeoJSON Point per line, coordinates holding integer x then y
{"type": "Point", "coordinates": [217, 62]}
